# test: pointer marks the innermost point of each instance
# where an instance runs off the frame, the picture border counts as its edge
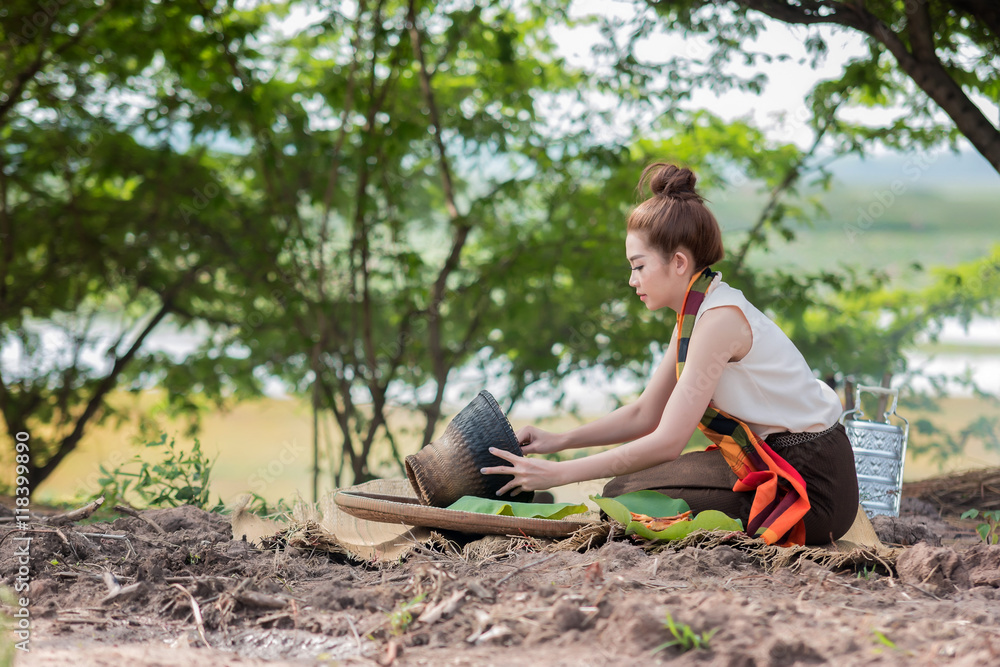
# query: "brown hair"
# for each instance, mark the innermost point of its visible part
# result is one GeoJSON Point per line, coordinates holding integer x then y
{"type": "Point", "coordinates": [675, 215]}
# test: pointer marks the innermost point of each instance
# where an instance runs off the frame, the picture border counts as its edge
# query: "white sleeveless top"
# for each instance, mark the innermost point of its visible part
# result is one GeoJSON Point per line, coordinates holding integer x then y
{"type": "Point", "coordinates": [772, 388]}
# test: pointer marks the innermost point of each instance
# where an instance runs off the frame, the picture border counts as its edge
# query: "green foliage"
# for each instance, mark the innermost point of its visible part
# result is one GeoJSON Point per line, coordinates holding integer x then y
{"type": "Point", "coordinates": [258, 505]}
{"type": "Point", "coordinates": [111, 229]}
{"type": "Point", "coordinates": [862, 325]}
{"type": "Point", "coordinates": [989, 529]}
{"type": "Point", "coordinates": [401, 617]}
{"type": "Point", "coordinates": [684, 638]}
{"type": "Point", "coordinates": [179, 478]}
{"type": "Point", "coordinates": [8, 651]}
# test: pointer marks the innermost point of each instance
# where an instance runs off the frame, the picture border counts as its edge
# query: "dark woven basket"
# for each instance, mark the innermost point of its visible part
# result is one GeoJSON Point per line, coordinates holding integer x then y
{"type": "Point", "coordinates": [448, 468]}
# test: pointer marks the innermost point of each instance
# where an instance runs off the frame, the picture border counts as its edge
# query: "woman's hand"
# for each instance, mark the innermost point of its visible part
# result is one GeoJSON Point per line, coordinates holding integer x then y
{"type": "Point", "coordinates": [529, 474]}
{"type": "Point", "coordinates": [534, 440]}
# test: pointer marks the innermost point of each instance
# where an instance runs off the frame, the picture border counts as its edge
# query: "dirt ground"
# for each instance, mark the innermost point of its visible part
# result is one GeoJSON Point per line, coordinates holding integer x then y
{"type": "Point", "coordinates": [157, 599]}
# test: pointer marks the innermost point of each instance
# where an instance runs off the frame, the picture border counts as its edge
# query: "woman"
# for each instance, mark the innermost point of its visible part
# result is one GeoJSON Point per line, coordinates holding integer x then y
{"type": "Point", "coordinates": [782, 463]}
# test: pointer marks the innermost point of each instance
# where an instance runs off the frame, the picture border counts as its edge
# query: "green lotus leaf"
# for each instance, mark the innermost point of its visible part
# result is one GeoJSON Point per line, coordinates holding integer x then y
{"type": "Point", "coordinates": [613, 509]}
{"type": "Point", "coordinates": [706, 520]}
{"type": "Point", "coordinates": [650, 503]}
{"type": "Point", "coordinates": [520, 510]}
{"type": "Point", "coordinates": [654, 504]}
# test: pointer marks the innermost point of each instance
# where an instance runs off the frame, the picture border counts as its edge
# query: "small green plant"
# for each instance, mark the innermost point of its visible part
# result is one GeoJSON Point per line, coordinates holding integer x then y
{"type": "Point", "coordinates": [258, 505]}
{"type": "Point", "coordinates": [180, 478]}
{"type": "Point", "coordinates": [684, 637]}
{"type": "Point", "coordinates": [882, 639]}
{"type": "Point", "coordinates": [866, 572]}
{"type": "Point", "coordinates": [989, 529]}
{"type": "Point", "coordinates": [8, 647]}
{"type": "Point", "coordinates": [401, 617]}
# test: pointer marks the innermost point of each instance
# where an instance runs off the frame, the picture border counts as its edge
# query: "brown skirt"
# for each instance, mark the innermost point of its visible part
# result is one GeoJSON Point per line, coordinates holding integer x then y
{"type": "Point", "coordinates": [705, 481]}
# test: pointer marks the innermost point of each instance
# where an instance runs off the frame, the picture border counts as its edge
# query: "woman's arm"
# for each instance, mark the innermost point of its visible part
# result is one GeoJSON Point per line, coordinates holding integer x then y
{"type": "Point", "coordinates": [626, 423]}
{"type": "Point", "coordinates": [722, 334]}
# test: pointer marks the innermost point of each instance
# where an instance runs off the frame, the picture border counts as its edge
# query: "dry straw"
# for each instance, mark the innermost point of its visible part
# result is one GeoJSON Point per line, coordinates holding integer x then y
{"type": "Point", "coordinates": [953, 494]}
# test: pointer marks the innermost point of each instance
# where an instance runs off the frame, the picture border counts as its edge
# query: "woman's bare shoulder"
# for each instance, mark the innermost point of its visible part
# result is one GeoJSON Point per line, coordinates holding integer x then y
{"type": "Point", "coordinates": [724, 328]}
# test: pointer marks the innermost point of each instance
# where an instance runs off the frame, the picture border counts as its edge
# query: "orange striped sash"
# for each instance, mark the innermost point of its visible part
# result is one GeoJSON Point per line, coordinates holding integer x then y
{"type": "Point", "coordinates": [780, 500]}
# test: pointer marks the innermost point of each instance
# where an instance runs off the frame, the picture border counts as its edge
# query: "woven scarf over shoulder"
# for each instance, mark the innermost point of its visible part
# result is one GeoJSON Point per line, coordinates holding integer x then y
{"type": "Point", "coordinates": [780, 499]}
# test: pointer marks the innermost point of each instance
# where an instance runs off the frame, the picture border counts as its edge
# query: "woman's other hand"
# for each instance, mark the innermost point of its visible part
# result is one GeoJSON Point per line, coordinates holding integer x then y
{"type": "Point", "coordinates": [534, 440]}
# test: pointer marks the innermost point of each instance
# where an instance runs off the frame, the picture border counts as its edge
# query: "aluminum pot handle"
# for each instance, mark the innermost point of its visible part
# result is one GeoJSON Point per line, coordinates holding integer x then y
{"type": "Point", "coordinates": [884, 391]}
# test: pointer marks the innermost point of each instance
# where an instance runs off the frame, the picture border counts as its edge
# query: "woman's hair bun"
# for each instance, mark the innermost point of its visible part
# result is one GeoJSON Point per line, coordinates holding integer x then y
{"type": "Point", "coordinates": [675, 217]}
{"type": "Point", "coordinates": [669, 180]}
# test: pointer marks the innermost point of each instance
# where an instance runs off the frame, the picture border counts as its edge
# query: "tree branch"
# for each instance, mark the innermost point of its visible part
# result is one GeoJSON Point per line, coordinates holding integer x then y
{"type": "Point", "coordinates": [425, 85]}
{"type": "Point", "coordinates": [69, 443]}
{"type": "Point", "coordinates": [344, 422]}
{"type": "Point", "coordinates": [929, 75]}
{"type": "Point", "coordinates": [808, 12]}
{"type": "Point", "coordinates": [918, 28]}
{"type": "Point", "coordinates": [461, 233]}
{"type": "Point", "coordinates": [791, 177]}
{"type": "Point", "coordinates": [23, 77]}
{"type": "Point", "coordinates": [331, 183]}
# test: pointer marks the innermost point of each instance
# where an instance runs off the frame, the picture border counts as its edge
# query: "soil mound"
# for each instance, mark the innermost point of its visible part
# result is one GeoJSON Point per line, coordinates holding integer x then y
{"type": "Point", "coordinates": [171, 586]}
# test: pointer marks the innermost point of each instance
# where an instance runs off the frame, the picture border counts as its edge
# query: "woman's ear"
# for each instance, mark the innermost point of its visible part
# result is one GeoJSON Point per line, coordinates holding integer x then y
{"type": "Point", "coordinates": [681, 262]}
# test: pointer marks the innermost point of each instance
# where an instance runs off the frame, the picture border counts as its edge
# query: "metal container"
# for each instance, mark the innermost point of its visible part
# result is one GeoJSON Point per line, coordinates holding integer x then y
{"type": "Point", "coordinates": [879, 451]}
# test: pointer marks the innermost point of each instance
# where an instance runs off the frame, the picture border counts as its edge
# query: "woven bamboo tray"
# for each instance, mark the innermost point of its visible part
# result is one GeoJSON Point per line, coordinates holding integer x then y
{"type": "Point", "coordinates": [409, 511]}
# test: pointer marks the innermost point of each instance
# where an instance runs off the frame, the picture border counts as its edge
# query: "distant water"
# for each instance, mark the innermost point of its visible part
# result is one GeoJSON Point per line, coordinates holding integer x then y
{"type": "Point", "coordinates": [591, 392]}
{"type": "Point", "coordinates": [965, 169]}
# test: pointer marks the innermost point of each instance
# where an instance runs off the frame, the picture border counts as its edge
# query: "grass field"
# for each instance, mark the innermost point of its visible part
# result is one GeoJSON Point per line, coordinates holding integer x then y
{"type": "Point", "coordinates": [265, 446]}
{"type": "Point", "coordinates": [943, 227]}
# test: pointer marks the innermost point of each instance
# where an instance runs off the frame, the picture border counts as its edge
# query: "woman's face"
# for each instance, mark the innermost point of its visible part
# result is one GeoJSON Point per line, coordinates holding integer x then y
{"type": "Point", "coordinates": [656, 281]}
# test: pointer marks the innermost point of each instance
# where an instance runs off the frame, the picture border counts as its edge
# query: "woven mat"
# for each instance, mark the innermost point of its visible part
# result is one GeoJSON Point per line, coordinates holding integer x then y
{"type": "Point", "coordinates": [325, 527]}
{"type": "Point", "coordinates": [860, 547]}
